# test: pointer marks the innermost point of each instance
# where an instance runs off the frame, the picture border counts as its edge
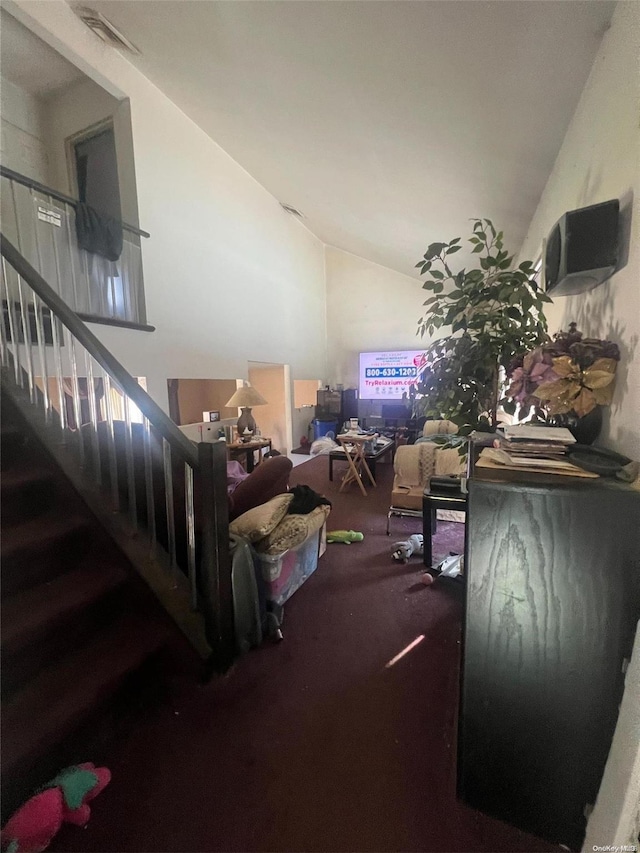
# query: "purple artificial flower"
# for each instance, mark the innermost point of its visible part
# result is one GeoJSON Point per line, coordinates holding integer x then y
{"type": "Point", "coordinates": [537, 368]}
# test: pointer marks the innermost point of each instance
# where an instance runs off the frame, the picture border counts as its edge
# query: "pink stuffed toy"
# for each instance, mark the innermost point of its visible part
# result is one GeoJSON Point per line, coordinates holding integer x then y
{"type": "Point", "coordinates": [63, 800]}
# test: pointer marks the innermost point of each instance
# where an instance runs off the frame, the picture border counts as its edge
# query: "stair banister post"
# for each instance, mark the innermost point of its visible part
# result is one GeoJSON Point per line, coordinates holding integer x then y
{"type": "Point", "coordinates": [214, 567]}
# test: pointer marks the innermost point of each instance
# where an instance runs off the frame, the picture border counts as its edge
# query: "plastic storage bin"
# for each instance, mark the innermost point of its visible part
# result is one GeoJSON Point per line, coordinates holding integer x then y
{"type": "Point", "coordinates": [322, 428]}
{"type": "Point", "coordinates": [285, 573]}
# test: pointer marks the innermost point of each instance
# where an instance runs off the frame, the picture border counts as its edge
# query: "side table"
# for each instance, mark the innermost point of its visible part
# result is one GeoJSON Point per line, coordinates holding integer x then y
{"type": "Point", "coordinates": [381, 450]}
{"type": "Point", "coordinates": [430, 504]}
{"type": "Point", "coordinates": [354, 447]}
{"type": "Point", "coordinates": [248, 448]}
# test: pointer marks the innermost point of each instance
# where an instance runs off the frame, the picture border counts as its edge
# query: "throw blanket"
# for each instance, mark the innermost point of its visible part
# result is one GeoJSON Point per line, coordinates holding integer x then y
{"type": "Point", "coordinates": [98, 234]}
{"type": "Point", "coordinates": [235, 475]}
{"type": "Point", "coordinates": [305, 500]}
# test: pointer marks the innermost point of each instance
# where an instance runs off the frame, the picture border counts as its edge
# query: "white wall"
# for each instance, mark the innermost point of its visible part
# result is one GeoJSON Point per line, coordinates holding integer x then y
{"type": "Point", "coordinates": [615, 819]}
{"type": "Point", "coordinates": [369, 307]}
{"type": "Point", "coordinates": [22, 146]}
{"type": "Point", "coordinates": [600, 159]}
{"type": "Point", "coordinates": [230, 277]}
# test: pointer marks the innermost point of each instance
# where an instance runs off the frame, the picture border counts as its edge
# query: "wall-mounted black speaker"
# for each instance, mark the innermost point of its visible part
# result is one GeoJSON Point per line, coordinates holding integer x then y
{"type": "Point", "coordinates": [582, 249]}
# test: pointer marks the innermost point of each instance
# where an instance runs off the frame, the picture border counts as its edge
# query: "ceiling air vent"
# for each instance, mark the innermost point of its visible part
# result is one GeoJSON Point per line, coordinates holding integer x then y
{"type": "Point", "coordinates": [104, 29]}
{"type": "Point", "coordinates": [291, 210]}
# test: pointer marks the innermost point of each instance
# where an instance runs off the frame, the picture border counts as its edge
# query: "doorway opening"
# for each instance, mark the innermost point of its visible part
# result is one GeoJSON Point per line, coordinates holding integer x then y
{"type": "Point", "coordinates": [305, 400]}
{"type": "Point", "coordinates": [94, 167]}
{"type": "Point", "coordinates": [273, 382]}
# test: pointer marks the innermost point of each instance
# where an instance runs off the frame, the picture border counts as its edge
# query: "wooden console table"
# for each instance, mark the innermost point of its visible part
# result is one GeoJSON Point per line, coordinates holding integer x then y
{"type": "Point", "coordinates": [248, 448]}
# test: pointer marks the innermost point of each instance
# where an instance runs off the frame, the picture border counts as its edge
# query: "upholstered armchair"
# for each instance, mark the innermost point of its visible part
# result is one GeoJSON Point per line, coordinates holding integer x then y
{"type": "Point", "coordinates": [415, 464]}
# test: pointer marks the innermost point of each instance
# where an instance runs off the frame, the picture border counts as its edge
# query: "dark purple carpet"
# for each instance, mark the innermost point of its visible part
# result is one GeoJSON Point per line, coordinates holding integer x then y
{"type": "Point", "coordinates": [315, 743]}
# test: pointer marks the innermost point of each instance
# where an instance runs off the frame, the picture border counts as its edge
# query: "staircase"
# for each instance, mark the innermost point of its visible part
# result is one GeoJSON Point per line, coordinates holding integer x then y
{"type": "Point", "coordinates": [115, 560]}
{"type": "Point", "coordinates": [79, 629]}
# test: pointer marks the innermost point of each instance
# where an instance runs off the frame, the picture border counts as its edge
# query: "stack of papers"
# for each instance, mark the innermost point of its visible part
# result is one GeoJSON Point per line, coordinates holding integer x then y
{"type": "Point", "coordinates": [526, 447]}
{"type": "Point", "coordinates": [532, 441]}
{"type": "Point", "coordinates": [526, 432]}
{"type": "Point", "coordinates": [494, 458]}
{"type": "Point", "coordinates": [505, 458]}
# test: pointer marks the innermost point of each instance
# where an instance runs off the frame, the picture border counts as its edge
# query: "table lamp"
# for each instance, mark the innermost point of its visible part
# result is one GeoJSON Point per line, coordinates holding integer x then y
{"type": "Point", "coordinates": [245, 398]}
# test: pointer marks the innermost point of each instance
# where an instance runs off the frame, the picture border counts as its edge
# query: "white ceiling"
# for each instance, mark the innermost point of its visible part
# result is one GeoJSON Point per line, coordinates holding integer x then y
{"type": "Point", "coordinates": [30, 63]}
{"type": "Point", "coordinates": [389, 123]}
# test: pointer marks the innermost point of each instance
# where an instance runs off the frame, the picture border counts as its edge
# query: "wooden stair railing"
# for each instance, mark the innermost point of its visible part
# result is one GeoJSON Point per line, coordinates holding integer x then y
{"type": "Point", "coordinates": [163, 497]}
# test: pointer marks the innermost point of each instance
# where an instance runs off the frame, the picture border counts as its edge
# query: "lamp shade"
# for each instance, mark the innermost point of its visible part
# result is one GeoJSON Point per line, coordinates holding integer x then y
{"type": "Point", "coordinates": [246, 396]}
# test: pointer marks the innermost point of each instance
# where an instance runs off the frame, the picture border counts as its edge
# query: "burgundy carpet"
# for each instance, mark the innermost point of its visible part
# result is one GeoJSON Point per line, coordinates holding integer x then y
{"type": "Point", "coordinates": [315, 744]}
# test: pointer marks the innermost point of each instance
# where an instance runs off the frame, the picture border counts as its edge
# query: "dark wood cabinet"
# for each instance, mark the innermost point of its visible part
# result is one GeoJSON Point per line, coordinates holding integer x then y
{"type": "Point", "coordinates": [553, 599]}
{"type": "Point", "coordinates": [340, 405]}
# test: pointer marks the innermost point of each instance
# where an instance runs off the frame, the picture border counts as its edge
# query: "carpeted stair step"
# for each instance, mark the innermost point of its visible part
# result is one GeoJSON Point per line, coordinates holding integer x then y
{"type": "Point", "coordinates": [12, 440]}
{"type": "Point", "coordinates": [40, 548]}
{"type": "Point", "coordinates": [27, 490]}
{"type": "Point", "coordinates": [38, 718]}
{"type": "Point", "coordinates": [32, 613]}
{"type": "Point", "coordinates": [27, 475]}
{"type": "Point", "coordinates": [47, 621]}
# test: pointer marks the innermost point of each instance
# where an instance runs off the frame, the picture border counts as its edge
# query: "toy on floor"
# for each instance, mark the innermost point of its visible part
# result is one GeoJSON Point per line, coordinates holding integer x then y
{"type": "Point", "coordinates": [346, 537]}
{"type": "Point", "coordinates": [63, 800]}
{"type": "Point", "coordinates": [403, 550]}
{"type": "Point", "coordinates": [451, 567]}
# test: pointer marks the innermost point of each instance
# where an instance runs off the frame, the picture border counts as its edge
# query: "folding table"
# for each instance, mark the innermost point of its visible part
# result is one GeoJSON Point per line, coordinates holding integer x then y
{"type": "Point", "coordinates": [354, 447]}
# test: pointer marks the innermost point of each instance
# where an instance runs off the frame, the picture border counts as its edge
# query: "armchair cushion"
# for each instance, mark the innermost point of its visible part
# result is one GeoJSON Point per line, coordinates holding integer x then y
{"type": "Point", "coordinates": [449, 461]}
{"type": "Point", "coordinates": [293, 530]}
{"type": "Point", "coordinates": [258, 522]}
{"type": "Point", "coordinates": [407, 497]}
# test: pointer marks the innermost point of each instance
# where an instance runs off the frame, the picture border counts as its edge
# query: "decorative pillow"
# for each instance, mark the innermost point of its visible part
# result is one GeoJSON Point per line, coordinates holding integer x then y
{"type": "Point", "coordinates": [258, 522]}
{"type": "Point", "coordinates": [293, 530]}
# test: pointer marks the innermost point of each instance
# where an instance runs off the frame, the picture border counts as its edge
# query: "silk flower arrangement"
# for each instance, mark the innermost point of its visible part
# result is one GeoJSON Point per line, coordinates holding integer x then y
{"type": "Point", "coordinates": [568, 374]}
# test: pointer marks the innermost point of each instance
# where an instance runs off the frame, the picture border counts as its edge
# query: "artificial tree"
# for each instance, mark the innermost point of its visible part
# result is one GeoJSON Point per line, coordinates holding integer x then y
{"type": "Point", "coordinates": [494, 312]}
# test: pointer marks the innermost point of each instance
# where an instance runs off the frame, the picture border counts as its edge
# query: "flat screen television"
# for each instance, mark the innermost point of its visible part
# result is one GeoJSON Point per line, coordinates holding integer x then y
{"type": "Point", "coordinates": [387, 376]}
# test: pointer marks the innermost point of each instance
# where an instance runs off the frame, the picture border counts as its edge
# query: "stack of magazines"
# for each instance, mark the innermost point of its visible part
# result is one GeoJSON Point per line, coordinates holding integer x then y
{"type": "Point", "coordinates": [534, 442]}
{"type": "Point", "coordinates": [540, 448]}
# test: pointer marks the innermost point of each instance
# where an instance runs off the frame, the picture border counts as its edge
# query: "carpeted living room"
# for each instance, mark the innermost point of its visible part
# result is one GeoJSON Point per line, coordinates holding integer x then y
{"type": "Point", "coordinates": [233, 634]}
{"type": "Point", "coordinates": [332, 739]}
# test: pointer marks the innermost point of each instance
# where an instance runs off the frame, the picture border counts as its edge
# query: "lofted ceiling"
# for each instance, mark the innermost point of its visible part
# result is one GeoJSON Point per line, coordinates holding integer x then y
{"type": "Point", "coordinates": [388, 124]}
{"type": "Point", "coordinates": [29, 63]}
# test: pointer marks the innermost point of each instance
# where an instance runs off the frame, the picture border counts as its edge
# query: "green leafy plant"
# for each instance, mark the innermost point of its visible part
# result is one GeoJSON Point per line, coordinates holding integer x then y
{"type": "Point", "coordinates": [495, 313]}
